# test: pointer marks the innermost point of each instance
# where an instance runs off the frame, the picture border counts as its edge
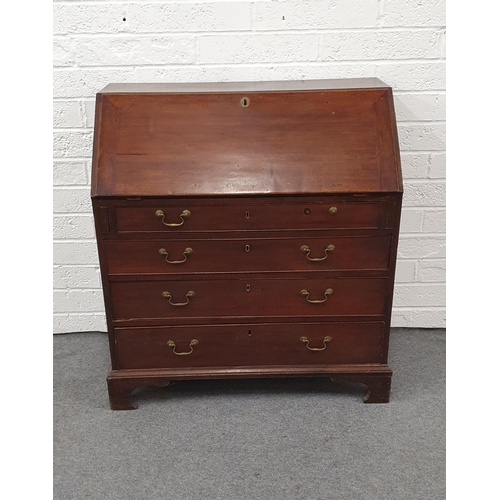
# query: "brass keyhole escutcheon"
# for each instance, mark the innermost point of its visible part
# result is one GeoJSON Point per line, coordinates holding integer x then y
{"type": "Point", "coordinates": [247, 248]}
{"type": "Point", "coordinates": [245, 102]}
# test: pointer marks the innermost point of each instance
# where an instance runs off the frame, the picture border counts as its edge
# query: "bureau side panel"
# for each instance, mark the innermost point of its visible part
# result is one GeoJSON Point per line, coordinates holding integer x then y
{"type": "Point", "coordinates": [394, 218]}
{"type": "Point", "coordinates": [96, 145]}
{"type": "Point", "coordinates": [101, 221]}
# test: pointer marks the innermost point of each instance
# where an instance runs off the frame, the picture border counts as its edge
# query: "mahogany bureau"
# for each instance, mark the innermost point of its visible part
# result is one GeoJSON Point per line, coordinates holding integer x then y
{"type": "Point", "coordinates": [247, 230]}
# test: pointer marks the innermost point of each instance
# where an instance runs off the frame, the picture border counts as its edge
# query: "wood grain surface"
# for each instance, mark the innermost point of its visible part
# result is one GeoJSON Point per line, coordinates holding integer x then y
{"type": "Point", "coordinates": [234, 220]}
{"type": "Point", "coordinates": [263, 344]}
{"type": "Point", "coordinates": [294, 142]}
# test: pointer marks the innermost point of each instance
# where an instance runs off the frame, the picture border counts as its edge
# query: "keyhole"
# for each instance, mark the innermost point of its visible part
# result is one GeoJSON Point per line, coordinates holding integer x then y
{"type": "Point", "coordinates": [247, 288]}
{"type": "Point", "coordinates": [247, 248]}
{"type": "Point", "coordinates": [247, 215]}
{"type": "Point", "coordinates": [249, 333]}
{"type": "Point", "coordinates": [245, 102]}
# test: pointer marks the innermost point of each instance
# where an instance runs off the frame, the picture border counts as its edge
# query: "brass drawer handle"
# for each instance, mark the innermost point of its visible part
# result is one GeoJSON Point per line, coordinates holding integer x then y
{"type": "Point", "coordinates": [187, 251]}
{"type": "Point", "coordinates": [305, 340]}
{"type": "Point", "coordinates": [307, 251]}
{"type": "Point", "coordinates": [171, 344]}
{"type": "Point", "coordinates": [167, 295]}
{"type": "Point", "coordinates": [332, 210]}
{"type": "Point", "coordinates": [161, 215]}
{"type": "Point", "coordinates": [305, 294]}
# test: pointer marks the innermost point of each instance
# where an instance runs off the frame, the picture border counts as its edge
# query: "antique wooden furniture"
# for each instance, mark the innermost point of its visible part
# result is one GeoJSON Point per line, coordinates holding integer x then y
{"type": "Point", "coordinates": [247, 230]}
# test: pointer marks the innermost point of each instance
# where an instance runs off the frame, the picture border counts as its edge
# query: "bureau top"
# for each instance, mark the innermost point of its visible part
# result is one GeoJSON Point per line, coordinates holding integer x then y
{"type": "Point", "coordinates": [283, 86]}
{"type": "Point", "coordinates": [253, 138]}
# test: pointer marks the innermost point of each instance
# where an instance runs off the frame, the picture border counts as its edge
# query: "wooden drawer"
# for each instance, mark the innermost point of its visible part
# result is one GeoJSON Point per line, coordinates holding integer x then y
{"type": "Point", "coordinates": [174, 256]}
{"type": "Point", "coordinates": [247, 215]}
{"type": "Point", "coordinates": [243, 345]}
{"type": "Point", "coordinates": [248, 297]}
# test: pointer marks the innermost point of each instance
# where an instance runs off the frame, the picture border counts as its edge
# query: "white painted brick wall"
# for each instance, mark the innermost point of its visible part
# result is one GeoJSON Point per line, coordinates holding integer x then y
{"type": "Point", "coordinates": [400, 41]}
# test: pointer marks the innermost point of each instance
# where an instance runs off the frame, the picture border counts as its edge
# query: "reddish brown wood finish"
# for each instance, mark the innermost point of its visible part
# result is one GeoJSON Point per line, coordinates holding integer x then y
{"type": "Point", "coordinates": [376, 377]}
{"type": "Point", "coordinates": [248, 255]}
{"type": "Point", "coordinates": [259, 183]}
{"type": "Point", "coordinates": [249, 215]}
{"type": "Point", "coordinates": [204, 143]}
{"type": "Point", "coordinates": [246, 345]}
{"type": "Point", "coordinates": [249, 297]}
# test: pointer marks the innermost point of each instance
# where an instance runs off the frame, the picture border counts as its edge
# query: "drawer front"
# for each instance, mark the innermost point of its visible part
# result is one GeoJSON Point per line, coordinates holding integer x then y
{"type": "Point", "coordinates": [247, 255]}
{"type": "Point", "coordinates": [242, 215]}
{"type": "Point", "coordinates": [243, 345]}
{"type": "Point", "coordinates": [248, 297]}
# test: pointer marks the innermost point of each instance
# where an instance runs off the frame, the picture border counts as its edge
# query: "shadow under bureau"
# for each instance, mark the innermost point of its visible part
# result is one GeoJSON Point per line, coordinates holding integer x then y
{"type": "Point", "coordinates": [247, 230]}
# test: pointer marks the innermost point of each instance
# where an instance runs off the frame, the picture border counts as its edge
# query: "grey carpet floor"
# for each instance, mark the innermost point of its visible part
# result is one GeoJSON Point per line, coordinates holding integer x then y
{"type": "Point", "coordinates": [281, 439]}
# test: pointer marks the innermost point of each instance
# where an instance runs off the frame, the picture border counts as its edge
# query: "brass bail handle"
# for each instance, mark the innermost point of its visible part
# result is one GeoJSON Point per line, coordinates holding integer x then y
{"type": "Point", "coordinates": [187, 251]}
{"type": "Point", "coordinates": [306, 294]}
{"type": "Point", "coordinates": [161, 215]}
{"type": "Point", "coordinates": [305, 340]}
{"type": "Point", "coordinates": [171, 344]}
{"type": "Point", "coordinates": [168, 295]}
{"type": "Point", "coordinates": [307, 251]}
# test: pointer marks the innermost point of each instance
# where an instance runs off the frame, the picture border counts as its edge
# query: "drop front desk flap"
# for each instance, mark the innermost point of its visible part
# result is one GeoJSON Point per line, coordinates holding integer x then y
{"type": "Point", "coordinates": [247, 230]}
